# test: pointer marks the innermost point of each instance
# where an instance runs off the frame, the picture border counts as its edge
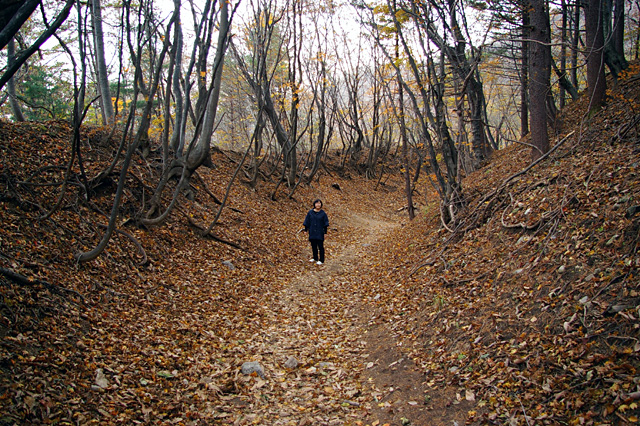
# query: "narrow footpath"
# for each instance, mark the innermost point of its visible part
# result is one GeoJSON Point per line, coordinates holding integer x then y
{"type": "Point", "coordinates": [326, 359]}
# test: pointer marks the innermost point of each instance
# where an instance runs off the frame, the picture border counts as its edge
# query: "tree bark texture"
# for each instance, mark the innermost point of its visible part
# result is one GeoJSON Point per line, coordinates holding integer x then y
{"type": "Point", "coordinates": [524, 76]}
{"type": "Point", "coordinates": [202, 151]}
{"type": "Point", "coordinates": [11, 70]}
{"type": "Point", "coordinates": [618, 28]}
{"type": "Point", "coordinates": [13, 17]}
{"type": "Point", "coordinates": [613, 58]}
{"type": "Point", "coordinates": [596, 83]}
{"type": "Point", "coordinates": [11, 85]}
{"type": "Point", "coordinates": [540, 74]}
{"type": "Point", "coordinates": [101, 64]}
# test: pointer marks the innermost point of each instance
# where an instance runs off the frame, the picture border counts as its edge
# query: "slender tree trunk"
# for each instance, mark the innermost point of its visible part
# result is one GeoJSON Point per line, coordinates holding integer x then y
{"type": "Point", "coordinates": [181, 122]}
{"type": "Point", "coordinates": [11, 85]}
{"type": "Point", "coordinates": [449, 152]}
{"type": "Point", "coordinates": [618, 28]}
{"type": "Point", "coordinates": [405, 139]}
{"type": "Point", "coordinates": [540, 73]}
{"type": "Point", "coordinates": [322, 122]}
{"type": "Point", "coordinates": [82, 49]}
{"type": "Point", "coordinates": [563, 51]}
{"type": "Point", "coordinates": [177, 89]}
{"type": "Point", "coordinates": [101, 65]}
{"type": "Point", "coordinates": [405, 154]}
{"type": "Point", "coordinates": [174, 54]}
{"type": "Point", "coordinates": [596, 83]}
{"type": "Point", "coordinates": [202, 151]}
{"type": "Point", "coordinates": [575, 39]}
{"type": "Point", "coordinates": [614, 59]}
{"type": "Point", "coordinates": [524, 76]}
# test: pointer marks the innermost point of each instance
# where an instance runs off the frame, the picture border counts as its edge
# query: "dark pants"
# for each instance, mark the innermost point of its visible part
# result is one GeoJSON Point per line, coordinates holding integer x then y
{"type": "Point", "coordinates": [317, 245]}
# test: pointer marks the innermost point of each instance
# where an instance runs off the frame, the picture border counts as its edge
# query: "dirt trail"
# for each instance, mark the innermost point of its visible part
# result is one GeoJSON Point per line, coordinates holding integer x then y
{"type": "Point", "coordinates": [349, 370]}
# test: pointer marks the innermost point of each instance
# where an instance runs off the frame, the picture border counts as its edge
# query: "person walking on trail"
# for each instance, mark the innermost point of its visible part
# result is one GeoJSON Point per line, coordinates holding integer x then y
{"type": "Point", "coordinates": [316, 224]}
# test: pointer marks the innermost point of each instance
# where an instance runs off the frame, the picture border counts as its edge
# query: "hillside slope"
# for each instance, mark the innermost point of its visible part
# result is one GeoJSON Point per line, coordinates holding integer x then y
{"type": "Point", "coordinates": [156, 328]}
{"type": "Point", "coordinates": [530, 311]}
{"type": "Point", "coordinates": [527, 314]}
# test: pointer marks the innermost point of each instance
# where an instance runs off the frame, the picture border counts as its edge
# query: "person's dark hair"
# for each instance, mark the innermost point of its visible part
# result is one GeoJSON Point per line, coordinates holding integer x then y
{"type": "Point", "coordinates": [317, 200]}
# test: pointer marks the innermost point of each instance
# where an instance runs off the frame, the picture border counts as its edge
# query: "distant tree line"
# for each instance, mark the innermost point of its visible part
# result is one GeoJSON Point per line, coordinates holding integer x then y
{"type": "Point", "coordinates": [438, 84]}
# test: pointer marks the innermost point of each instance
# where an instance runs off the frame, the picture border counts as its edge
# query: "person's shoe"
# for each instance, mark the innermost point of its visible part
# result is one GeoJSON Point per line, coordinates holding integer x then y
{"type": "Point", "coordinates": [312, 260]}
{"type": "Point", "coordinates": [319, 263]}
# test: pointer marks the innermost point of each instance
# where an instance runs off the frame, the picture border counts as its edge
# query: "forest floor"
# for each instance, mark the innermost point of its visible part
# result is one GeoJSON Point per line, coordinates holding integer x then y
{"type": "Point", "coordinates": [527, 314]}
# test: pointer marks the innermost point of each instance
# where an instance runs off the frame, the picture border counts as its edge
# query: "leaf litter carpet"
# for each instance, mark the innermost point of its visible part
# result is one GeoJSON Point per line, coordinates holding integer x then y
{"type": "Point", "coordinates": [326, 360]}
{"type": "Point", "coordinates": [528, 316]}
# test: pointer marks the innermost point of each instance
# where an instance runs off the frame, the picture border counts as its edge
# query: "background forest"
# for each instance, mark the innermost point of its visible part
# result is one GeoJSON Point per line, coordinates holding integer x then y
{"type": "Point", "coordinates": [157, 157]}
{"type": "Point", "coordinates": [440, 84]}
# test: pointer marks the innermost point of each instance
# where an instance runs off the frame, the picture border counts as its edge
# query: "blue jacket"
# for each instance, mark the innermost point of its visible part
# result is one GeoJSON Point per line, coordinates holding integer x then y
{"type": "Point", "coordinates": [316, 223]}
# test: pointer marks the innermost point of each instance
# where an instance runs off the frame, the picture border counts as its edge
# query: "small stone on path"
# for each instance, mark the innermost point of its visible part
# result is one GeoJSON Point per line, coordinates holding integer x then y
{"type": "Point", "coordinates": [291, 363]}
{"type": "Point", "coordinates": [252, 367]}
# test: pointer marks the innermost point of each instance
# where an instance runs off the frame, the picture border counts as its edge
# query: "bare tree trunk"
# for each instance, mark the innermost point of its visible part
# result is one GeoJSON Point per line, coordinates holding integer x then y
{"type": "Point", "coordinates": [177, 88]}
{"type": "Point", "coordinates": [201, 63]}
{"type": "Point", "coordinates": [575, 39]}
{"type": "Point", "coordinates": [82, 49]}
{"type": "Point", "coordinates": [540, 72]}
{"type": "Point", "coordinates": [613, 58]}
{"type": "Point", "coordinates": [322, 123]}
{"type": "Point", "coordinates": [473, 88]}
{"type": "Point", "coordinates": [563, 51]}
{"type": "Point", "coordinates": [174, 68]}
{"type": "Point", "coordinates": [295, 80]}
{"type": "Point", "coordinates": [179, 137]}
{"type": "Point", "coordinates": [405, 139]}
{"type": "Point", "coordinates": [596, 83]}
{"type": "Point", "coordinates": [618, 28]}
{"type": "Point", "coordinates": [101, 65]}
{"type": "Point", "coordinates": [201, 152]}
{"type": "Point", "coordinates": [11, 85]}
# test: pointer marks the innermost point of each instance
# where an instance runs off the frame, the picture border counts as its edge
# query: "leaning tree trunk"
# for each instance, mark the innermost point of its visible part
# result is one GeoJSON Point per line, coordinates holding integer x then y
{"type": "Point", "coordinates": [51, 29]}
{"type": "Point", "coordinates": [19, 16]}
